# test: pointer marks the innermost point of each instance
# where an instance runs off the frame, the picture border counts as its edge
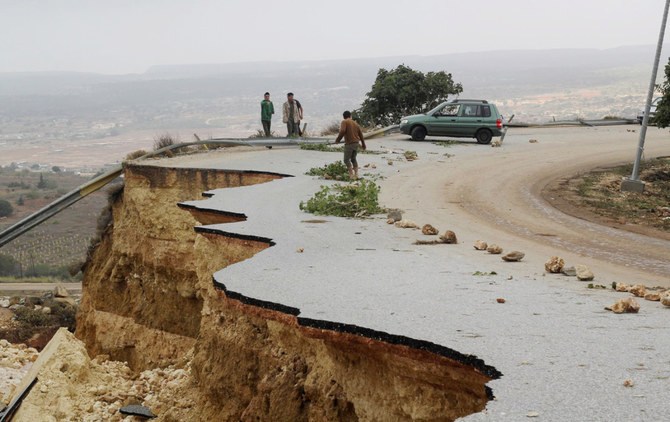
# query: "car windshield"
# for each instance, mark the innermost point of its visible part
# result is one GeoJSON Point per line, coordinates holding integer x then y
{"type": "Point", "coordinates": [435, 109]}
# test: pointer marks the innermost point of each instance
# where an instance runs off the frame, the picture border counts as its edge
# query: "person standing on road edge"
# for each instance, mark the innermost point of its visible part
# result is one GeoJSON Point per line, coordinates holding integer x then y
{"type": "Point", "coordinates": [301, 118]}
{"type": "Point", "coordinates": [352, 134]}
{"type": "Point", "coordinates": [267, 110]}
{"type": "Point", "coordinates": [291, 116]}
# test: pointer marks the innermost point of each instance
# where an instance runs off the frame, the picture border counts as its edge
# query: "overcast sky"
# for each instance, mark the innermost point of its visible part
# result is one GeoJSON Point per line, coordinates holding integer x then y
{"type": "Point", "coordinates": [128, 36]}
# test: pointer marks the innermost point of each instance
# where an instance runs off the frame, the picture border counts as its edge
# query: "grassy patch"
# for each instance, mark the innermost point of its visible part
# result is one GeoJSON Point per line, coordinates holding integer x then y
{"type": "Point", "coordinates": [356, 199]}
{"type": "Point", "coordinates": [445, 144]}
{"type": "Point", "coordinates": [321, 147]}
{"type": "Point", "coordinates": [335, 171]}
{"type": "Point", "coordinates": [601, 192]}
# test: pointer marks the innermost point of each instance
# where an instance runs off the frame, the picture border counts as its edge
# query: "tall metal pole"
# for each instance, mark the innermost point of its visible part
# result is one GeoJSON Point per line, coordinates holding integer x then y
{"type": "Point", "coordinates": [634, 183]}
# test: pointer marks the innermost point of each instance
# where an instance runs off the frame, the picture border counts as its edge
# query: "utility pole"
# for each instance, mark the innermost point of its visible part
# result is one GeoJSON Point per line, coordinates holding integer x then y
{"type": "Point", "coordinates": [633, 183]}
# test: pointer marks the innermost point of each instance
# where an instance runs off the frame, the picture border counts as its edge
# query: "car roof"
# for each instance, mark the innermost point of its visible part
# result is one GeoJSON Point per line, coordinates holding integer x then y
{"type": "Point", "coordinates": [469, 101]}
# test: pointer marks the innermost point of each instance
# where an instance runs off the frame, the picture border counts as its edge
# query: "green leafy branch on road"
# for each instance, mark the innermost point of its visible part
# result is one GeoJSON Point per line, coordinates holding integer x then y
{"type": "Point", "coordinates": [356, 199]}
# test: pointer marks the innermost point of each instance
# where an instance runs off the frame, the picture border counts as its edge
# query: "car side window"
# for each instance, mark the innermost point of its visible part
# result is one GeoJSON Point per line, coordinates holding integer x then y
{"type": "Point", "coordinates": [471, 110]}
{"type": "Point", "coordinates": [486, 111]}
{"type": "Point", "coordinates": [450, 110]}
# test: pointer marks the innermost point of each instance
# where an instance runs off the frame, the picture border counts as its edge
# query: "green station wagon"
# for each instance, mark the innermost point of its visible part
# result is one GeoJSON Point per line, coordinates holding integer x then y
{"type": "Point", "coordinates": [459, 118]}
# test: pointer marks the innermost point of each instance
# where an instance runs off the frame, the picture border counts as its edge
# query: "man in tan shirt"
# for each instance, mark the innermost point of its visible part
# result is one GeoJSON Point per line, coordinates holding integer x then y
{"type": "Point", "coordinates": [352, 135]}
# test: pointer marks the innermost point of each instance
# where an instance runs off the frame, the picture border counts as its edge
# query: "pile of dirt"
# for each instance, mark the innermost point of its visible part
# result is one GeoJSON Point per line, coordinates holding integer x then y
{"type": "Point", "coordinates": [597, 195]}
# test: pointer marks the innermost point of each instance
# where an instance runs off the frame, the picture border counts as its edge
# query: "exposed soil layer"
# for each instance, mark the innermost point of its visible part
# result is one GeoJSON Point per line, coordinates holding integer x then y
{"type": "Point", "coordinates": [148, 299]}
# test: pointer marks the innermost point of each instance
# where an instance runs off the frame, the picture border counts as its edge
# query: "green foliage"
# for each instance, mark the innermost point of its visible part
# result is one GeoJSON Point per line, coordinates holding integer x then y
{"type": "Point", "coordinates": [336, 171]}
{"type": "Point", "coordinates": [403, 92]}
{"type": "Point", "coordinates": [164, 140]}
{"type": "Point", "coordinates": [6, 208]}
{"type": "Point", "coordinates": [446, 143]}
{"type": "Point", "coordinates": [32, 317]}
{"type": "Point", "coordinates": [353, 200]}
{"type": "Point", "coordinates": [662, 116]}
{"type": "Point", "coordinates": [260, 133]}
{"type": "Point", "coordinates": [33, 194]}
{"type": "Point", "coordinates": [8, 265]}
{"type": "Point", "coordinates": [321, 147]}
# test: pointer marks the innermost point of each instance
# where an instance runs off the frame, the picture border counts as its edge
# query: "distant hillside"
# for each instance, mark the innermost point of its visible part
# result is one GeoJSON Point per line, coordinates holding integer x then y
{"type": "Point", "coordinates": [533, 84]}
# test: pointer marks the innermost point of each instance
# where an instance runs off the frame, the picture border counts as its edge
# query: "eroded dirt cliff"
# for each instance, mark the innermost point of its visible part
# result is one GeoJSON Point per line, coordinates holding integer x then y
{"type": "Point", "coordinates": [149, 299]}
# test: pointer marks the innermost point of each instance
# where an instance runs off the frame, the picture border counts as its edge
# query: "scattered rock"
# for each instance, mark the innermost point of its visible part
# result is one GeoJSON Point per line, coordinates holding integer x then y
{"type": "Point", "coordinates": [622, 287]}
{"type": "Point", "coordinates": [406, 224]}
{"type": "Point", "coordinates": [496, 143]}
{"type": "Point", "coordinates": [653, 296]}
{"type": "Point", "coordinates": [449, 237]}
{"type": "Point", "coordinates": [394, 214]}
{"type": "Point", "coordinates": [533, 141]}
{"type": "Point", "coordinates": [4, 302]}
{"type": "Point", "coordinates": [390, 221]}
{"type": "Point", "coordinates": [569, 271]}
{"type": "Point", "coordinates": [60, 291]}
{"type": "Point", "coordinates": [625, 305]}
{"type": "Point", "coordinates": [389, 162]}
{"type": "Point", "coordinates": [532, 415]}
{"type": "Point", "coordinates": [429, 230]}
{"type": "Point", "coordinates": [554, 265]}
{"type": "Point", "coordinates": [367, 165]}
{"type": "Point", "coordinates": [494, 249]}
{"type": "Point", "coordinates": [500, 300]}
{"type": "Point", "coordinates": [583, 273]}
{"type": "Point", "coordinates": [639, 290]}
{"type": "Point", "coordinates": [513, 256]}
{"type": "Point", "coordinates": [665, 298]}
{"type": "Point", "coordinates": [628, 383]}
{"type": "Point", "coordinates": [300, 250]}
{"type": "Point", "coordinates": [374, 166]}
{"type": "Point", "coordinates": [480, 245]}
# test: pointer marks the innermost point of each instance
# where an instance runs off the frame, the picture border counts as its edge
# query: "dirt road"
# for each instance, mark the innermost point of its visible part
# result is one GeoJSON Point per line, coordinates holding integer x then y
{"type": "Point", "coordinates": [495, 194]}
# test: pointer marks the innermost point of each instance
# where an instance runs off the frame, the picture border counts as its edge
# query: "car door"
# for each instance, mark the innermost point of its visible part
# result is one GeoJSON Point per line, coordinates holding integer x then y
{"type": "Point", "coordinates": [472, 118]}
{"type": "Point", "coordinates": [444, 122]}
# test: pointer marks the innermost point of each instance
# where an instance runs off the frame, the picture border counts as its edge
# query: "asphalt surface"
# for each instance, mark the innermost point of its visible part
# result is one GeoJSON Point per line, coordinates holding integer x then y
{"type": "Point", "coordinates": [563, 357]}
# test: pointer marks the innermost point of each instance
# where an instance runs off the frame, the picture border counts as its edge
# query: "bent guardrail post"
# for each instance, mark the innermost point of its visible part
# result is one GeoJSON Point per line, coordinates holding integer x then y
{"type": "Point", "coordinates": [7, 412]}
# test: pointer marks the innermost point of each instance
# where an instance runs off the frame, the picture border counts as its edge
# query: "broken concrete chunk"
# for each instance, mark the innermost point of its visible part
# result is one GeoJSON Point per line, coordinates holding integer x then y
{"type": "Point", "coordinates": [406, 224]}
{"type": "Point", "coordinates": [554, 265]}
{"type": "Point", "coordinates": [513, 256]}
{"type": "Point", "coordinates": [494, 249]}
{"type": "Point", "coordinates": [583, 273]}
{"type": "Point", "coordinates": [480, 245]}
{"type": "Point", "coordinates": [449, 237]}
{"type": "Point", "coordinates": [638, 290]}
{"type": "Point", "coordinates": [628, 304]}
{"type": "Point", "coordinates": [569, 271]}
{"type": "Point", "coordinates": [390, 221]}
{"type": "Point", "coordinates": [429, 230]}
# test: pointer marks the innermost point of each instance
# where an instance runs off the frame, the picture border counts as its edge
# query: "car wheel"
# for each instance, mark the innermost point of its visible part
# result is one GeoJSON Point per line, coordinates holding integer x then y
{"type": "Point", "coordinates": [484, 136]}
{"type": "Point", "coordinates": [419, 133]}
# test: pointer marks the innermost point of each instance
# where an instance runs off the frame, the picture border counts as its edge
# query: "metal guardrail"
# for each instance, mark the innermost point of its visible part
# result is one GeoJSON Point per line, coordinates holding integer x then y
{"type": "Point", "coordinates": [591, 123]}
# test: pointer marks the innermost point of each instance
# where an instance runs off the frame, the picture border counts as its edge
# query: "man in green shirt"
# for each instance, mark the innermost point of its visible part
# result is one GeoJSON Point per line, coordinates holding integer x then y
{"type": "Point", "coordinates": [267, 110]}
